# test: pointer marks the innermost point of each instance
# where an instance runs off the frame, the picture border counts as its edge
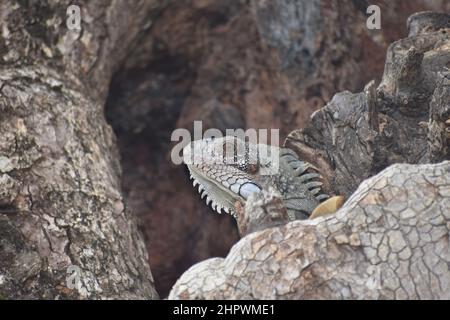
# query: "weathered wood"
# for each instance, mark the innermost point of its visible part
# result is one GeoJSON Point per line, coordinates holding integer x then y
{"type": "Point", "coordinates": [439, 124]}
{"type": "Point", "coordinates": [355, 143]}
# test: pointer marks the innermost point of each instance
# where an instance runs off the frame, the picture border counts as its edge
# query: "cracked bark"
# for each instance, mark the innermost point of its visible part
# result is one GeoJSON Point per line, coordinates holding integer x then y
{"type": "Point", "coordinates": [60, 195]}
{"type": "Point", "coordinates": [391, 238]}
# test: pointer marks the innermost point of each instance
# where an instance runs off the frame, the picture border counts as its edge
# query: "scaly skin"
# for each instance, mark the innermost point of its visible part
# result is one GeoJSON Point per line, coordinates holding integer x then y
{"type": "Point", "coordinates": [250, 168]}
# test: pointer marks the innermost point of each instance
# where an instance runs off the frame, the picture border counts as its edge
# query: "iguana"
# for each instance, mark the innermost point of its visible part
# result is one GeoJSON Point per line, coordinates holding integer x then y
{"type": "Point", "coordinates": [228, 169]}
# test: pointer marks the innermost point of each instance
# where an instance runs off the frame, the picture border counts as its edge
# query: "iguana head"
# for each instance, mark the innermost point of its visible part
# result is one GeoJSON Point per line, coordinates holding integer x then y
{"type": "Point", "coordinates": [224, 169]}
{"type": "Point", "coordinates": [229, 169]}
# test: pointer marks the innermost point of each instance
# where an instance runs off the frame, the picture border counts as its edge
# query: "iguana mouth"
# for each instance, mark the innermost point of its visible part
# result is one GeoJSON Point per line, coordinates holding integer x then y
{"type": "Point", "coordinates": [210, 190]}
{"type": "Point", "coordinates": [222, 194]}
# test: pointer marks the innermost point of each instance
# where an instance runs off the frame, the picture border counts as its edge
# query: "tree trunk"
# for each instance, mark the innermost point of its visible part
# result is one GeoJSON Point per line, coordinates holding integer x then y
{"type": "Point", "coordinates": [65, 230]}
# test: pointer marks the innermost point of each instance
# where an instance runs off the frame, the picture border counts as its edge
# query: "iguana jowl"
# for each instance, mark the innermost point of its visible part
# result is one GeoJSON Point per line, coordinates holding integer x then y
{"type": "Point", "coordinates": [228, 169]}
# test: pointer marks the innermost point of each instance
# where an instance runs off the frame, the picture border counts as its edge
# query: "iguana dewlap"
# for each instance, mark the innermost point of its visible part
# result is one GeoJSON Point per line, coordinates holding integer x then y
{"type": "Point", "coordinates": [227, 170]}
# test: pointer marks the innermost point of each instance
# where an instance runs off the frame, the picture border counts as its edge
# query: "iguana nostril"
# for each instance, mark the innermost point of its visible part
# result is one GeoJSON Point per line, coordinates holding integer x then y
{"type": "Point", "coordinates": [247, 189]}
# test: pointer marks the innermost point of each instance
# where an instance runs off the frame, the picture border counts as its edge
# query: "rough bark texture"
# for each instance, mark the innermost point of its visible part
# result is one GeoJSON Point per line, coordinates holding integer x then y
{"type": "Point", "coordinates": [232, 64]}
{"type": "Point", "coordinates": [262, 210]}
{"type": "Point", "coordinates": [60, 188]}
{"type": "Point", "coordinates": [391, 238]}
{"type": "Point", "coordinates": [357, 135]}
{"type": "Point", "coordinates": [439, 124]}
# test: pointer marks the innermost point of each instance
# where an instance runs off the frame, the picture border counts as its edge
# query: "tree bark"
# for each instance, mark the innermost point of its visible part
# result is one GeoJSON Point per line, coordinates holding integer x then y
{"type": "Point", "coordinates": [61, 208]}
{"type": "Point", "coordinates": [391, 238]}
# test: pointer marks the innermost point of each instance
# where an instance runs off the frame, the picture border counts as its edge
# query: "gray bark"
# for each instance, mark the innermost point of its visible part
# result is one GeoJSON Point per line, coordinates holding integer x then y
{"type": "Point", "coordinates": [391, 238]}
{"type": "Point", "coordinates": [60, 189]}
